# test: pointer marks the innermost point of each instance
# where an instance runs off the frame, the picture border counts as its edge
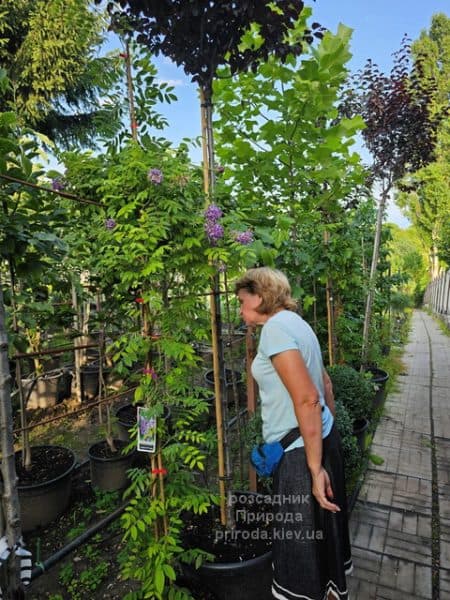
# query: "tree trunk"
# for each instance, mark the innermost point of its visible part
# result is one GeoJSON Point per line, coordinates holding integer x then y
{"type": "Point", "coordinates": [10, 498]}
{"type": "Point", "coordinates": [373, 273]}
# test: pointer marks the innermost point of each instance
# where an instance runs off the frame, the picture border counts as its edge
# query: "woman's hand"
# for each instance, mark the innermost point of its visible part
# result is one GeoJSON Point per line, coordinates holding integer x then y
{"type": "Point", "coordinates": [321, 489]}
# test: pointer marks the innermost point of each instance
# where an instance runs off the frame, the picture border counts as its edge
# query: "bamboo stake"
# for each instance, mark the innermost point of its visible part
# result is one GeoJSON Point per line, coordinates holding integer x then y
{"type": "Point", "coordinates": [250, 352]}
{"type": "Point", "coordinates": [153, 491]}
{"type": "Point", "coordinates": [162, 494]}
{"type": "Point", "coordinates": [330, 308]}
{"type": "Point", "coordinates": [77, 357]}
{"type": "Point", "coordinates": [132, 110]}
{"type": "Point", "coordinates": [208, 184]}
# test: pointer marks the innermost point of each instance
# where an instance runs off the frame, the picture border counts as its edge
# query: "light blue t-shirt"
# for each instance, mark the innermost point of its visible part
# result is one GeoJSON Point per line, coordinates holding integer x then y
{"type": "Point", "coordinates": [286, 330]}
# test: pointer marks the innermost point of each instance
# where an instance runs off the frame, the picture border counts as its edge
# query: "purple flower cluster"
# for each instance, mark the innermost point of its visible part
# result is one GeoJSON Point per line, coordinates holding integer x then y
{"type": "Point", "coordinates": [213, 212]}
{"type": "Point", "coordinates": [213, 229]}
{"type": "Point", "coordinates": [58, 184]}
{"type": "Point", "coordinates": [110, 223]}
{"type": "Point", "coordinates": [244, 237]}
{"type": "Point", "coordinates": [155, 176]}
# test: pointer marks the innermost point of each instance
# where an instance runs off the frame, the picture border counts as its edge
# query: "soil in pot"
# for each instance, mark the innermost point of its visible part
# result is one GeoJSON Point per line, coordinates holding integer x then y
{"type": "Point", "coordinates": [108, 468]}
{"type": "Point", "coordinates": [243, 554]}
{"type": "Point", "coordinates": [44, 489]}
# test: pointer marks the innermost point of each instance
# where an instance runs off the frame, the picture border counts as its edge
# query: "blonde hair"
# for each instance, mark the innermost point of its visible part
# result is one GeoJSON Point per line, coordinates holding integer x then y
{"type": "Point", "coordinates": [273, 287]}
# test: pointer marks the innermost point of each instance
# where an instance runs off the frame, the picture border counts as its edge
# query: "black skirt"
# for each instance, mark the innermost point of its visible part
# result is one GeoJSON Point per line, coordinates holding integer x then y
{"type": "Point", "coordinates": [311, 546]}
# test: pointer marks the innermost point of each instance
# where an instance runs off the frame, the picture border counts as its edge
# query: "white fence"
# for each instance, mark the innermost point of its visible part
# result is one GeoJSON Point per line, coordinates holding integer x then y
{"type": "Point", "coordinates": [437, 296]}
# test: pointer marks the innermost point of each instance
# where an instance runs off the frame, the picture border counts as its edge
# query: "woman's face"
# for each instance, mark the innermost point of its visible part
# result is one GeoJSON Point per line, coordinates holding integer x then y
{"type": "Point", "coordinates": [249, 303]}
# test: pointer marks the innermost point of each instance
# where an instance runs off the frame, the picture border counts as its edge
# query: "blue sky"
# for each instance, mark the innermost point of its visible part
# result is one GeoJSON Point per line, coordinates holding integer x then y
{"type": "Point", "coordinates": [378, 29]}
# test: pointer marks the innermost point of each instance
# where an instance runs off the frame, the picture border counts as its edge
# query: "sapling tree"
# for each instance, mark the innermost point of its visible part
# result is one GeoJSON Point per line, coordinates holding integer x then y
{"type": "Point", "coordinates": [287, 154]}
{"type": "Point", "coordinates": [201, 37]}
{"type": "Point", "coordinates": [29, 242]}
{"type": "Point", "coordinates": [399, 133]}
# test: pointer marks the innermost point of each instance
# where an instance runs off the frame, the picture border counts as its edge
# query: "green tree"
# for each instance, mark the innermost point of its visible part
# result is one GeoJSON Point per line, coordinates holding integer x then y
{"type": "Point", "coordinates": [56, 78]}
{"type": "Point", "coordinates": [424, 195]}
{"type": "Point", "coordinates": [288, 160]}
{"type": "Point", "coordinates": [431, 53]}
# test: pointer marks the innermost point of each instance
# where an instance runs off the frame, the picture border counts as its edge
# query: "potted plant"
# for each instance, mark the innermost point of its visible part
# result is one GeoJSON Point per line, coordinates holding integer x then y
{"type": "Point", "coordinates": [355, 391]}
{"type": "Point", "coordinates": [110, 458]}
{"type": "Point", "coordinates": [31, 248]}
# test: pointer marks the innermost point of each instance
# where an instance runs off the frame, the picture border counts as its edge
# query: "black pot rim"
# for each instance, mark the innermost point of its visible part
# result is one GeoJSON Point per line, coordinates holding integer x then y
{"type": "Point", "coordinates": [378, 375]}
{"type": "Point", "coordinates": [102, 459]}
{"type": "Point", "coordinates": [363, 424]}
{"type": "Point", "coordinates": [35, 486]}
{"type": "Point", "coordinates": [238, 565]}
{"type": "Point", "coordinates": [209, 377]}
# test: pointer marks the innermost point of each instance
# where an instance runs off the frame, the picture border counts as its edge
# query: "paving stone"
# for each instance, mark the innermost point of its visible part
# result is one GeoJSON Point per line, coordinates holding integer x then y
{"type": "Point", "coordinates": [359, 589]}
{"type": "Point", "coordinates": [391, 523]}
{"type": "Point", "coordinates": [444, 581]}
{"type": "Point", "coordinates": [403, 545]}
{"type": "Point", "coordinates": [366, 565]}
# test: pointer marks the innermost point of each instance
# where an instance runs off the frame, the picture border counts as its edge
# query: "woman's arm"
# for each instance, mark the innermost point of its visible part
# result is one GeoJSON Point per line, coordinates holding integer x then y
{"type": "Point", "coordinates": [328, 390]}
{"type": "Point", "coordinates": [294, 374]}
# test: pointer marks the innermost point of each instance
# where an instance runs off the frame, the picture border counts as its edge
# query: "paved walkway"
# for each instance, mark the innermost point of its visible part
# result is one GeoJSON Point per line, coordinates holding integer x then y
{"type": "Point", "coordinates": [400, 525]}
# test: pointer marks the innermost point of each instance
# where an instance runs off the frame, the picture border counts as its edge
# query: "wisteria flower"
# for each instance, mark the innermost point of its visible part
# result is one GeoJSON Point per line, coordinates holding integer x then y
{"type": "Point", "coordinates": [213, 212]}
{"type": "Point", "coordinates": [214, 231]}
{"type": "Point", "coordinates": [58, 184]}
{"type": "Point", "coordinates": [155, 176]}
{"type": "Point", "coordinates": [110, 223]}
{"type": "Point", "coordinates": [244, 237]}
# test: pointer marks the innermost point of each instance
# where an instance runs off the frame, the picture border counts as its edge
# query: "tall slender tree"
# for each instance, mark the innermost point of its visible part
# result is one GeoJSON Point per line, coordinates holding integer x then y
{"type": "Point", "coordinates": [400, 134]}
{"type": "Point", "coordinates": [424, 194]}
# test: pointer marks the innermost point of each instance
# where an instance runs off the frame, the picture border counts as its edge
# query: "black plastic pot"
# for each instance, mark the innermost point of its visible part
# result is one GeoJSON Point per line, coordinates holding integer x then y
{"type": "Point", "coordinates": [43, 502]}
{"type": "Point", "coordinates": [65, 385]}
{"type": "Point", "coordinates": [209, 380]}
{"type": "Point", "coordinates": [250, 579]}
{"type": "Point", "coordinates": [360, 427]}
{"type": "Point", "coordinates": [379, 378]}
{"type": "Point", "coordinates": [89, 380]}
{"type": "Point", "coordinates": [126, 419]}
{"type": "Point", "coordinates": [109, 470]}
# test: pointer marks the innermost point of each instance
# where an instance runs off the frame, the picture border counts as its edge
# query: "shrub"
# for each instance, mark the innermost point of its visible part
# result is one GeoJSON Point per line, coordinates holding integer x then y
{"type": "Point", "coordinates": [354, 389]}
{"type": "Point", "coordinates": [352, 453]}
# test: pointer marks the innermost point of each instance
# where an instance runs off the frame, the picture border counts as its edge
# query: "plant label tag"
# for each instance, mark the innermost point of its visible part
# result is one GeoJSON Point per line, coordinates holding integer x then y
{"type": "Point", "coordinates": [146, 427]}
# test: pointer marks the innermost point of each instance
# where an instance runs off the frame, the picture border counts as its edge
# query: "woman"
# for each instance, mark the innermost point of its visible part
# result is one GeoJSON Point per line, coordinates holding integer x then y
{"type": "Point", "coordinates": [311, 548]}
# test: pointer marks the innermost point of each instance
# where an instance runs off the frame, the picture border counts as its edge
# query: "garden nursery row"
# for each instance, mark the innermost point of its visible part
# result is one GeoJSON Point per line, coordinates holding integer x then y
{"type": "Point", "coordinates": [128, 410]}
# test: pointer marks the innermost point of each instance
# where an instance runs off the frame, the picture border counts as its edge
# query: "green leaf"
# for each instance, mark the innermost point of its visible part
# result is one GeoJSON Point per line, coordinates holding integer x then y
{"type": "Point", "coordinates": [159, 580]}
